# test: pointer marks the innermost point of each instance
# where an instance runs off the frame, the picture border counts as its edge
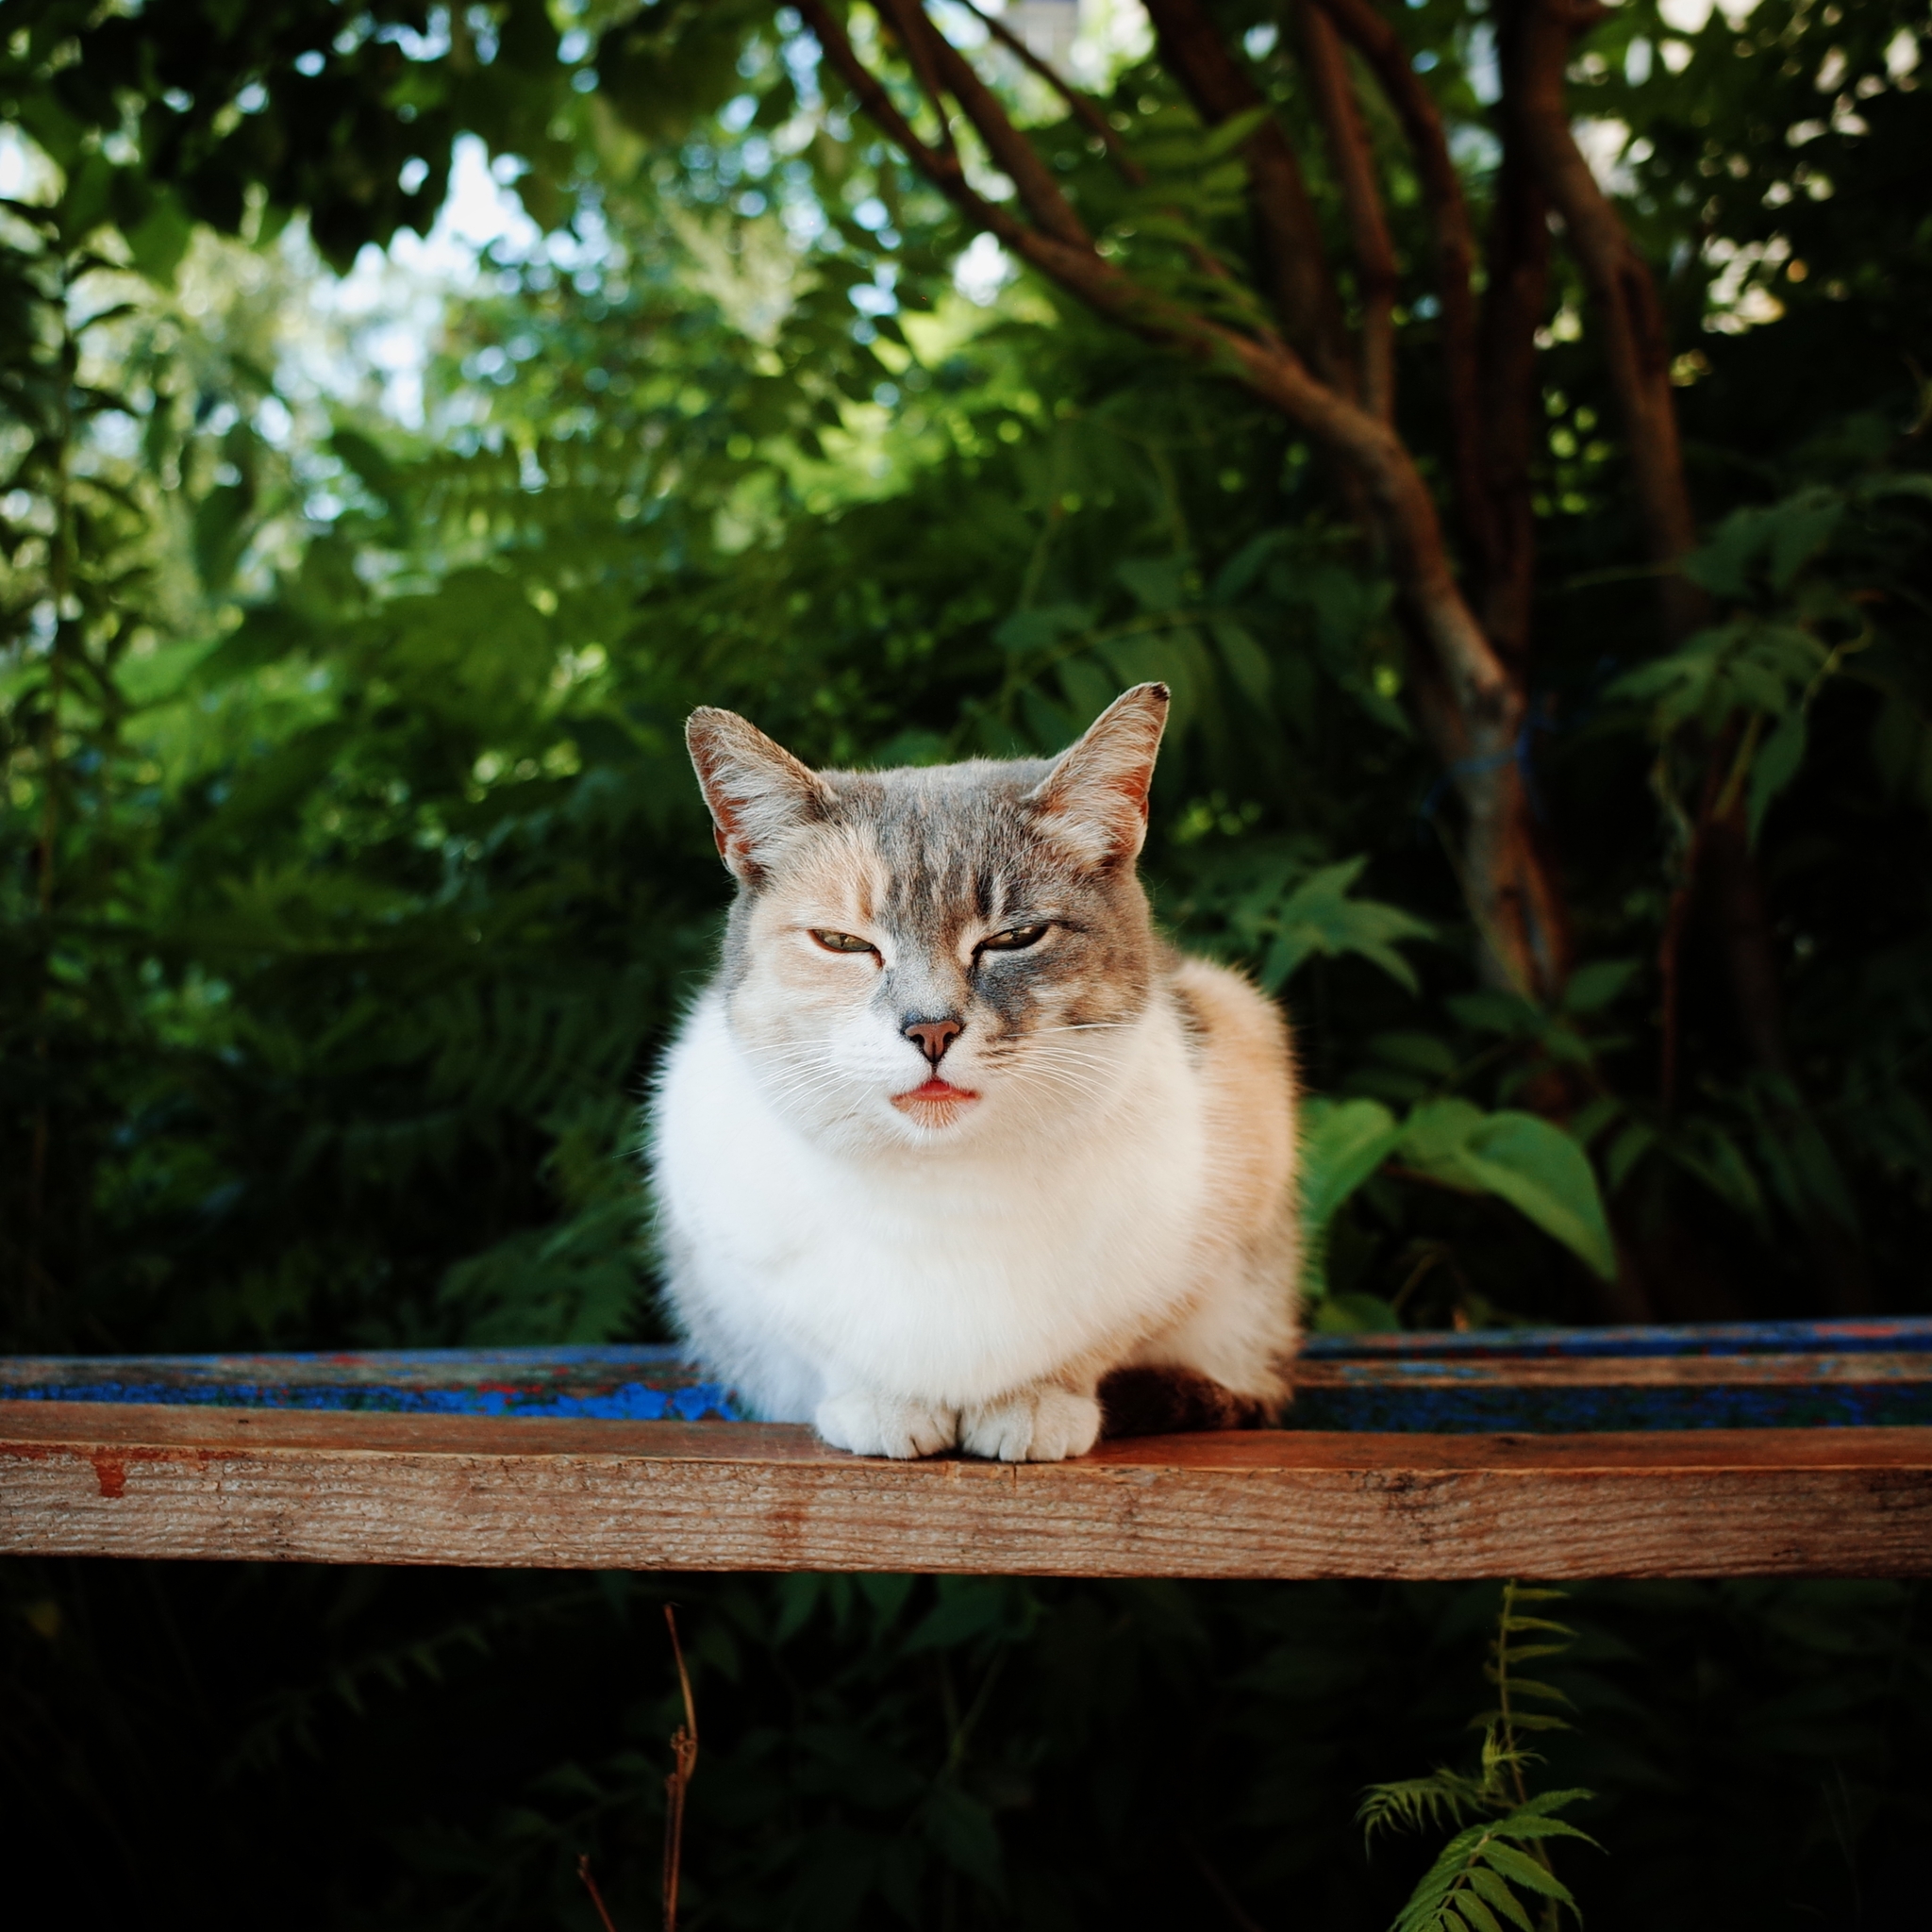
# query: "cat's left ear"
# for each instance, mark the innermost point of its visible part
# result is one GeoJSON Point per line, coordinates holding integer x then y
{"type": "Point", "coordinates": [758, 794]}
{"type": "Point", "coordinates": [1094, 800]}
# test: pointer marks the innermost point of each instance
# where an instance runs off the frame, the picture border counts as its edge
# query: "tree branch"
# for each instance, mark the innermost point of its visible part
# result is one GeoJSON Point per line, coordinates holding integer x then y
{"type": "Point", "coordinates": [1040, 193]}
{"type": "Point", "coordinates": [1362, 199]}
{"type": "Point", "coordinates": [1089, 112]}
{"type": "Point", "coordinates": [1084, 106]}
{"type": "Point", "coordinates": [1453, 237]}
{"type": "Point", "coordinates": [1622, 294]}
{"type": "Point", "coordinates": [1289, 235]}
{"type": "Point", "coordinates": [943, 170]}
{"type": "Point", "coordinates": [1509, 396]}
{"type": "Point", "coordinates": [919, 53]}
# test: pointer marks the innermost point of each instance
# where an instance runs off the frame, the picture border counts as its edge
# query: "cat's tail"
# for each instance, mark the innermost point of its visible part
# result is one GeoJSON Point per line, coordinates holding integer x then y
{"type": "Point", "coordinates": [1171, 1402]}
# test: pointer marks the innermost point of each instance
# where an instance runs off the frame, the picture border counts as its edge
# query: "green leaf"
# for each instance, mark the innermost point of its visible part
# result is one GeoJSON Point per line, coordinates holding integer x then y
{"type": "Point", "coordinates": [1041, 627]}
{"type": "Point", "coordinates": [1534, 1166]}
{"type": "Point", "coordinates": [1521, 1870]}
{"type": "Point", "coordinates": [1488, 1886]}
{"type": "Point", "coordinates": [1435, 1884]}
{"type": "Point", "coordinates": [1626, 1150]}
{"type": "Point", "coordinates": [1544, 1802]}
{"type": "Point", "coordinates": [1775, 765]}
{"type": "Point", "coordinates": [1320, 917]}
{"type": "Point", "coordinates": [1230, 133]}
{"type": "Point", "coordinates": [1247, 663]}
{"type": "Point", "coordinates": [373, 466]}
{"type": "Point", "coordinates": [1089, 688]}
{"type": "Point", "coordinates": [220, 533]}
{"type": "Point", "coordinates": [1353, 1314]}
{"type": "Point", "coordinates": [1505, 1013]}
{"type": "Point", "coordinates": [1522, 1654]}
{"type": "Point", "coordinates": [1595, 986]}
{"type": "Point", "coordinates": [968, 1607]}
{"type": "Point", "coordinates": [1410, 1803]}
{"type": "Point", "coordinates": [160, 239]}
{"type": "Point", "coordinates": [1479, 1916]}
{"type": "Point", "coordinates": [1157, 583]}
{"type": "Point", "coordinates": [1704, 1149]}
{"type": "Point", "coordinates": [1425, 1053]}
{"type": "Point", "coordinates": [962, 1830]}
{"type": "Point", "coordinates": [1814, 1167]}
{"type": "Point", "coordinates": [1798, 529]}
{"type": "Point", "coordinates": [1343, 1143]}
{"type": "Point", "coordinates": [1517, 1827]}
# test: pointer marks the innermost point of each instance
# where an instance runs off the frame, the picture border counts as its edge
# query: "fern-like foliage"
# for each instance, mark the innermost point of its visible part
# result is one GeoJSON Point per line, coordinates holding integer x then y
{"type": "Point", "coordinates": [1498, 1864]}
{"type": "Point", "coordinates": [1474, 1884]}
{"type": "Point", "coordinates": [1445, 1796]}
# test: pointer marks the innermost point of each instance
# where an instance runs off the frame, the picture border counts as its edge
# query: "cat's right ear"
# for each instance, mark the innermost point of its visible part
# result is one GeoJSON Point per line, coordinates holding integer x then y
{"type": "Point", "coordinates": [1094, 803]}
{"type": "Point", "coordinates": [758, 794]}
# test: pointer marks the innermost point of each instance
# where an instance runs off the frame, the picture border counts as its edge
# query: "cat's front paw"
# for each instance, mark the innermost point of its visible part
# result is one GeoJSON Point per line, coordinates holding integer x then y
{"type": "Point", "coordinates": [872, 1425]}
{"type": "Point", "coordinates": [1033, 1426]}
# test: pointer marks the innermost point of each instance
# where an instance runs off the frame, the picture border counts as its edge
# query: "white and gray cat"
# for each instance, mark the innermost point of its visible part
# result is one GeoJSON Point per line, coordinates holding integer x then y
{"type": "Point", "coordinates": [954, 1136]}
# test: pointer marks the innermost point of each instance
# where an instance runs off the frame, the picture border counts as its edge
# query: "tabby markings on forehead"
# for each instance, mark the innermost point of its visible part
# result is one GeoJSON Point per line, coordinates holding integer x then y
{"type": "Point", "coordinates": [929, 860]}
{"type": "Point", "coordinates": [839, 870]}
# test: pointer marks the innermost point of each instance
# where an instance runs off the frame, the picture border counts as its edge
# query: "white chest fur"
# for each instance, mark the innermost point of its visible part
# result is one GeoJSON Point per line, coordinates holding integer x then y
{"type": "Point", "coordinates": [948, 1274]}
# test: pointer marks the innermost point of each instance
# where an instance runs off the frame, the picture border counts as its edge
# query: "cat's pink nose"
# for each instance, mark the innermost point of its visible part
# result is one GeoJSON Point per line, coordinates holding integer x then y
{"type": "Point", "coordinates": [933, 1037]}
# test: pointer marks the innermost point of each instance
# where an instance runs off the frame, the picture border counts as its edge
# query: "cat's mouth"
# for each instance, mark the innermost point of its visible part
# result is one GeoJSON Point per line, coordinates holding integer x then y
{"type": "Point", "coordinates": [935, 1104]}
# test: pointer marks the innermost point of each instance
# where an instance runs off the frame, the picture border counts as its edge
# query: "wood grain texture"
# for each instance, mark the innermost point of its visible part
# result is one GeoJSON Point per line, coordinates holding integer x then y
{"type": "Point", "coordinates": [91, 1479]}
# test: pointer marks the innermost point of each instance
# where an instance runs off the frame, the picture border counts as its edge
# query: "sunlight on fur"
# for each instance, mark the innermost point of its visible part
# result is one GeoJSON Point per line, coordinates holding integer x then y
{"type": "Point", "coordinates": [954, 1133]}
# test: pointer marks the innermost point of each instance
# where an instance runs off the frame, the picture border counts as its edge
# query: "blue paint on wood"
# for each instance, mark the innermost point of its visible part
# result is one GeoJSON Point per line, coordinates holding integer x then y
{"type": "Point", "coordinates": [1768, 1375]}
{"type": "Point", "coordinates": [614, 1384]}
{"type": "Point", "coordinates": [1890, 1334]}
{"type": "Point", "coordinates": [1505, 1409]}
{"type": "Point", "coordinates": [1707, 1376]}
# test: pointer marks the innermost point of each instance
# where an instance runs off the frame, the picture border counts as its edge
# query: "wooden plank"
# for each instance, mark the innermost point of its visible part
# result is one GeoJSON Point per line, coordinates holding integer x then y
{"type": "Point", "coordinates": [1788, 1375]}
{"type": "Point", "coordinates": [1562, 1395]}
{"type": "Point", "coordinates": [612, 1383]}
{"type": "Point", "coordinates": [1881, 1334]}
{"type": "Point", "coordinates": [100, 1479]}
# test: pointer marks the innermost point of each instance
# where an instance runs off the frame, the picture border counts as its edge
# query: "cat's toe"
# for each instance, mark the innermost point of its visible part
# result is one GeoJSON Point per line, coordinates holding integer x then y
{"type": "Point", "coordinates": [924, 1430]}
{"type": "Point", "coordinates": [1063, 1425]}
{"type": "Point", "coordinates": [1036, 1425]}
{"type": "Point", "coordinates": [871, 1425]}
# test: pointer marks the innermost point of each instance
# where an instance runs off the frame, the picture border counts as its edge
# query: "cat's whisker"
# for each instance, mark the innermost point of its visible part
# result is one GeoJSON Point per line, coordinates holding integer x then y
{"type": "Point", "coordinates": [784, 1097]}
{"type": "Point", "coordinates": [1069, 1055]}
{"type": "Point", "coordinates": [1064, 1092]}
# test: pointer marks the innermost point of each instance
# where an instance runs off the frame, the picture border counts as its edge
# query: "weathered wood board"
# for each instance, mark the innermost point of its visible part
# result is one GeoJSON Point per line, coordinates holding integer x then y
{"type": "Point", "coordinates": [94, 1478]}
{"type": "Point", "coordinates": [1768, 1375]}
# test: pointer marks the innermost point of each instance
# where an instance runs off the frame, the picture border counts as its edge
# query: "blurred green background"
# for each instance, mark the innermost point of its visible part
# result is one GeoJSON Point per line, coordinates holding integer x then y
{"type": "Point", "coordinates": [406, 415]}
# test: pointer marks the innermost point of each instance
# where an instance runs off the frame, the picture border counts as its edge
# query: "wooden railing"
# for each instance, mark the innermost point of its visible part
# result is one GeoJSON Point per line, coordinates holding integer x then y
{"type": "Point", "coordinates": [1797, 1449]}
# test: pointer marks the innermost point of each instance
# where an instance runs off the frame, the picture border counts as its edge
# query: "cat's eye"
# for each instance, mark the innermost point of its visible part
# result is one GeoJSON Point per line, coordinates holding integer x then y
{"type": "Point", "coordinates": [842, 942]}
{"type": "Point", "coordinates": [1016, 939]}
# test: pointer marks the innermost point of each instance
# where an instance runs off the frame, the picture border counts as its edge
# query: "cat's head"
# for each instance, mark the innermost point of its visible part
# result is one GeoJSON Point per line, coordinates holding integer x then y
{"type": "Point", "coordinates": [926, 956]}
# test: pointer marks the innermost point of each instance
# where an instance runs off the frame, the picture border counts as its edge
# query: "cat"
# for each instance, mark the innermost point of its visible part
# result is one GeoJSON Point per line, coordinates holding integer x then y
{"type": "Point", "coordinates": [954, 1135]}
